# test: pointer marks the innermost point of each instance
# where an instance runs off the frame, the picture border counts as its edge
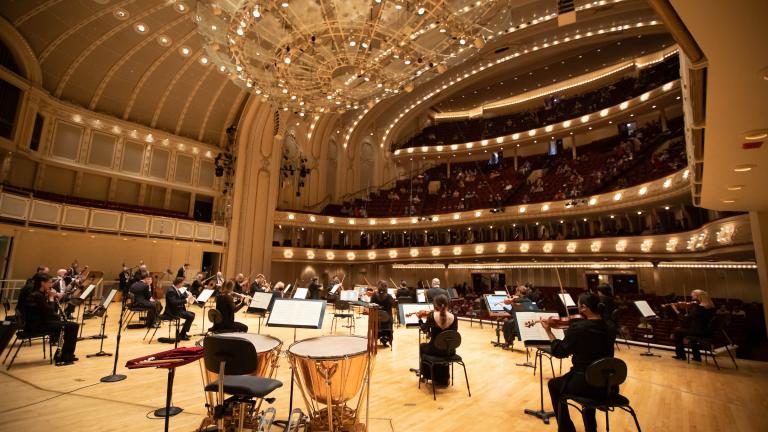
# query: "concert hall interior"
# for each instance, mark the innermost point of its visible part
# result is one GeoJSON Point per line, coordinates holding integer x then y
{"type": "Point", "coordinates": [383, 215]}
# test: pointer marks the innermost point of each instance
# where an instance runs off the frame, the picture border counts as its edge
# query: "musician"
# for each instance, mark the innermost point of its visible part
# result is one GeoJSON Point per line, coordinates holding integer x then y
{"type": "Point", "coordinates": [509, 328]}
{"type": "Point", "coordinates": [63, 287]}
{"type": "Point", "coordinates": [39, 317]}
{"type": "Point", "coordinates": [182, 273]}
{"type": "Point", "coordinates": [197, 285]}
{"type": "Point", "coordinates": [219, 281]}
{"type": "Point", "coordinates": [28, 287]}
{"type": "Point", "coordinates": [141, 273]}
{"type": "Point", "coordinates": [435, 291]}
{"type": "Point", "coordinates": [386, 303]}
{"type": "Point", "coordinates": [125, 281]}
{"type": "Point", "coordinates": [605, 293]}
{"type": "Point", "coordinates": [74, 269]}
{"type": "Point", "coordinates": [695, 323]}
{"type": "Point", "coordinates": [142, 297]}
{"type": "Point", "coordinates": [586, 340]}
{"type": "Point", "coordinates": [437, 322]}
{"type": "Point", "coordinates": [239, 283]}
{"type": "Point", "coordinates": [174, 306]}
{"type": "Point", "coordinates": [259, 284]}
{"type": "Point", "coordinates": [403, 292]}
{"type": "Point", "coordinates": [314, 288]}
{"type": "Point", "coordinates": [227, 308]}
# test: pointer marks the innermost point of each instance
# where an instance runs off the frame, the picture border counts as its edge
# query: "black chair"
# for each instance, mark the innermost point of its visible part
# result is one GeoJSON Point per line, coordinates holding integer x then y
{"type": "Point", "coordinates": [386, 332]}
{"type": "Point", "coordinates": [233, 360]}
{"type": "Point", "coordinates": [606, 373]}
{"type": "Point", "coordinates": [23, 336]}
{"type": "Point", "coordinates": [343, 311]}
{"type": "Point", "coordinates": [131, 309]}
{"type": "Point", "coordinates": [446, 341]}
{"type": "Point", "coordinates": [717, 338]}
{"type": "Point", "coordinates": [170, 320]}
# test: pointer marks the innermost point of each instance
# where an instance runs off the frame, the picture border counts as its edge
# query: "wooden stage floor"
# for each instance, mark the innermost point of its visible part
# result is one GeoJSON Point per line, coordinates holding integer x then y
{"type": "Point", "coordinates": [668, 395]}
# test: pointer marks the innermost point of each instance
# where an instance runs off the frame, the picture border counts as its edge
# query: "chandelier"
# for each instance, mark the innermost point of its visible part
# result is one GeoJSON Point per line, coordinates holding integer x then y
{"type": "Point", "coordinates": [335, 55]}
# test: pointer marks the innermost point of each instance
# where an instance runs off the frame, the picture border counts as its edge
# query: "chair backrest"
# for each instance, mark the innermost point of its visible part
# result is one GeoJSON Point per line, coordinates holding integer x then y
{"type": "Point", "coordinates": [239, 355]}
{"type": "Point", "coordinates": [341, 305]}
{"type": "Point", "coordinates": [214, 316]}
{"type": "Point", "coordinates": [606, 372]}
{"type": "Point", "coordinates": [448, 340]}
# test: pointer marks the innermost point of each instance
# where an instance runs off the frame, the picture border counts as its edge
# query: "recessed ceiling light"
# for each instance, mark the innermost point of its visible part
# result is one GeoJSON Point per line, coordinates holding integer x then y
{"type": "Point", "coordinates": [744, 167]}
{"type": "Point", "coordinates": [756, 135]}
{"type": "Point", "coordinates": [204, 60]}
{"type": "Point", "coordinates": [181, 7]}
{"type": "Point", "coordinates": [185, 51]}
{"type": "Point", "coordinates": [121, 14]}
{"type": "Point", "coordinates": [164, 40]}
{"type": "Point", "coordinates": [141, 27]}
{"type": "Point", "coordinates": [735, 187]}
{"type": "Point", "coordinates": [728, 201]}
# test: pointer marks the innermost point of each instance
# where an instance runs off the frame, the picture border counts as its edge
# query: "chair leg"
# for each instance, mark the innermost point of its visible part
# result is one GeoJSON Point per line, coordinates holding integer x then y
{"type": "Point", "coordinates": [10, 349]}
{"type": "Point", "coordinates": [432, 377]}
{"type": "Point", "coordinates": [634, 416]}
{"type": "Point", "coordinates": [714, 358]}
{"type": "Point", "coordinates": [732, 358]}
{"type": "Point", "coordinates": [607, 423]}
{"type": "Point", "coordinates": [466, 378]}
{"type": "Point", "coordinates": [14, 356]}
{"type": "Point", "coordinates": [551, 366]}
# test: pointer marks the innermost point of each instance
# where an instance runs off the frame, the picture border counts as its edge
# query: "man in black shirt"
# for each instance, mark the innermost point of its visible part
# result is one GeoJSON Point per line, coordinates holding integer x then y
{"type": "Point", "coordinates": [39, 317]}
{"type": "Point", "coordinates": [314, 289]}
{"type": "Point", "coordinates": [182, 273]}
{"type": "Point", "coordinates": [142, 296]}
{"type": "Point", "coordinates": [586, 340]}
{"type": "Point", "coordinates": [174, 306]}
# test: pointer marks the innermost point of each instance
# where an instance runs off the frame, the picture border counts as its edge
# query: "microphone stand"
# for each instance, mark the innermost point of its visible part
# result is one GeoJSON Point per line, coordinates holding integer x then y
{"type": "Point", "coordinates": [115, 377]}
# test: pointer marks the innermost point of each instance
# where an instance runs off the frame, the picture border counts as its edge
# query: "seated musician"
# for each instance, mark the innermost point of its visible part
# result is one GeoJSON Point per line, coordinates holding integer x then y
{"type": "Point", "coordinates": [435, 291]}
{"type": "Point", "coordinates": [437, 322]}
{"type": "Point", "coordinates": [174, 306]}
{"type": "Point", "coordinates": [258, 285]}
{"type": "Point", "coordinates": [40, 317]}
{"type": "Point", "coordinates": [142, 297]}
{"type": "Point", "coordinates": [314, 289]}
{"type": "Point", "coordinates": [586, 340]}
{"type": "Point", "coordinates": [386, 303]}
{"type": "Point", "coordinates": [227, 308]}
{"type": "Point", "coordinates": [509, 328]}
{"type": "Point", "coordinates": [197, 285]}
{"type": "Point", "coordinates": [695, 323]}
{"type": "Point", "coordinates": [605, 293]}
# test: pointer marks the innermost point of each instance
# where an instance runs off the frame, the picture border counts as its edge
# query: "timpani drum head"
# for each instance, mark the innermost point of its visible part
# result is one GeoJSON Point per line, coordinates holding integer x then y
{"type": "Point", "coordinates": [329, 347]}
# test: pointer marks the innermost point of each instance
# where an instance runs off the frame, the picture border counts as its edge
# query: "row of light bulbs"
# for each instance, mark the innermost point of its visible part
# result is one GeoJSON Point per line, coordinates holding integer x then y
{"type": "Point", "coordinates": [732, 265]}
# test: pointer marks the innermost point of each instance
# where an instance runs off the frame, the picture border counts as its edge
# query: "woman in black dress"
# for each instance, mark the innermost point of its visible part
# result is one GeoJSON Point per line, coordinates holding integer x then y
{"type": "Point", "coordinates": [695, 323]}
{"type": "Point", "coordinates": [437, 322]}
{"type": "Point", "coordinates": [227, 307]}
{"type": "Point", "coordinates": [386, 303]}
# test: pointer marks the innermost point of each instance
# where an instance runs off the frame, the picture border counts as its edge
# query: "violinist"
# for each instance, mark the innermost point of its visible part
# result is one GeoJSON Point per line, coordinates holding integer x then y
{"type": "Point", "coordinates": [141, 273]}
{"type": "Point", "coordinates": [142, 297]}
{"type": "Point", "coordinates": [605, 293]}
{"type": "Point", "coordinates": [695, 323]}
{"type": "Point", "coordinates": [227, 308]}
{"type": "Point", "coordinates": [125, 278]}
{"type": "Point", "coordinates": [239, 283]}
{"type": "Point", "coordinates": [197, 285]}
{"type": "Point", "coordinates": [259, 284]}
{"type": "Point", "coordinates": [314, 289]}
{"type": "Point", "coordinates": [435, 290]}
{"type": "Point", "coordinates": [586, 340]}
{"type": "Point", "coordinates": [219, 281]}
{"type": "Point", "coordinates": [386, 303]}
{"type": "Point", "coordinates": [403, 293]}
{"type": "Point", "coordinates": [437, 322]}
{"type": "Point", "coordinates": [509, 328]}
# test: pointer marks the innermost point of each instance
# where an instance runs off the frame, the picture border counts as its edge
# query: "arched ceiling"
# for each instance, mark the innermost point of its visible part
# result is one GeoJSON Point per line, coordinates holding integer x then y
{"type": "Point", "coordinates": [92, 53]}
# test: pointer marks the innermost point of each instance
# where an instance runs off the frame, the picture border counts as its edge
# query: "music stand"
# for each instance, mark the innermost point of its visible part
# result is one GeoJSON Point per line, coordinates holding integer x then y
{"type": "Point", "coordinates": [536, 337]}
{"type": "Point", "coordinates": [80, 301]}
{"type": "Point", "coordinates": [202, 301]}
{"type": "Point", "coordinates": [647, 313]}
{"type": "Point", "coordinates": [294, 313]}
{"type": "Point", "coordinates": [259, 305]}
{"type": "Point", "coordinates": [495, 305]}
{"type": "Point", "coordinates": [301, 293]}
{"type": "Point", "coordinates": [101, 311]}
{"type": "Point", "coordinates": [567, 300]}
{"type": "Point", "coordinates": [421, 296]}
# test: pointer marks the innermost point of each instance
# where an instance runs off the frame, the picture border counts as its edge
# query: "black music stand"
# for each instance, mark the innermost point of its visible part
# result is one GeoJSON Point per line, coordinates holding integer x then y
{"type": "Point", "coordinates": [496, 310]}
{"type": "Point", "coordinates": [101, 311]}
{"type": "Point", "coordinates": [202, 301]}
{"type": "Point", "coordinates": [648, 314]}
{"type": "Point", "coordinates": [79, 301]}
{"type": "Point", "coordinates": [259, 306]}
{"type": "Point", "coordinates": [536, 337]}
{"type": "Point", "coordinates": [115, 377]}
{"type": "Point", "coordinates": [296, 313]}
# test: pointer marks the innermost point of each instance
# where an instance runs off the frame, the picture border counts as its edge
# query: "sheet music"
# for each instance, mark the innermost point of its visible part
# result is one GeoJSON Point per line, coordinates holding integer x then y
{"type": "Point", "coordinates": [301, 293]}
{"type": "Point", "coordinates": [105, 303]}
{"type": "Point", "coordinates": [421, 296]}
{"type": "Point", "coordinates": [349, 295]}
{"type": "Point", "coordinates": [204, 295]}
{"type": "Point", "coordinates": [566, 299]}
{"type": "Point", "coordinates": [87, 292]}
{"type": "Point", "coordinates": [392, 292]}
{"type": "Point", "coordinates": [644, 308]}
{"type": "Point", "coordinates": [335, 288]}
{"type": "Point", "coordinates": [406, 308]}
{"type": "Point", "coordinates": [500, 293]}
{"type": "Point", "coordinates": [260, 300]}
{"type": "Point", "coordinates": [297, 313]}
{"type": "Point", "coordinates": [495, 302]}
{"type": "Point", "coordinates": [536, 332]}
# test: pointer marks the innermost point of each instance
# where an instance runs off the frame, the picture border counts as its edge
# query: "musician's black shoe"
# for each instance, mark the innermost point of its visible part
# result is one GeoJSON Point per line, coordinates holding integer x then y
{"type": "Point", "coordinates": [65, 363]}
{"type": "Point", "coordinates": [184, 337]}
{"type": "Point", "coordinates": [155, 325]}
{"type": "Point", "coordinates": [678, 357]}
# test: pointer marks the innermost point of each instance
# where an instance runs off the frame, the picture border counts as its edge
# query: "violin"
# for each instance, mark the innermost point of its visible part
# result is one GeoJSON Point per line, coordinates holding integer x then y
{"type": "Point", "coordinates": [684, 305]}
{"type": "Point", "coordinates": [420, 314]}
{"type": "Point", "coordinates": [557, 323]}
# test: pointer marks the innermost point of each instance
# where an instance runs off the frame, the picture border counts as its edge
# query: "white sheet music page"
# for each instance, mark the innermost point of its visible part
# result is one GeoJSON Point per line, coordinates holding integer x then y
{"type": "Point", "coordinates": [87, 292]}
{"type": "Point", "coordinates": [204, 295]}
{"type": "Point", "coordinates": [536, 332]}
{"type": "Point", "coordinates": [260, 300]}
{"type": "Point", "coordinates": [301, 293]}
{"type": "Point", "coordinates": [296, 313]}
{"type": "Point", "coordinates": [109, 298]}
{"type": "Point", "coordinates": [645, 309]}
{"type": "Point", "coordinates": [412, 308]}
{"type": "Point", "coordinates": [335, 288]}
{"type": "Point", "coordinates": [349, 295]}
{"type": "Point", "coordinates": [566, 299]}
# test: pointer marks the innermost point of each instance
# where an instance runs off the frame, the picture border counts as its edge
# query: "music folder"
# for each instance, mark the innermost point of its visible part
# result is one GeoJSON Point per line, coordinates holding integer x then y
{"type": "Point", "coordinates": [645, 309]}
{"type": "Point", "coordinates": [297, 313]}
{"type": "Point", "coordinates": [567, 300]}
{"type": "Point", "coordinates": [301, 293]}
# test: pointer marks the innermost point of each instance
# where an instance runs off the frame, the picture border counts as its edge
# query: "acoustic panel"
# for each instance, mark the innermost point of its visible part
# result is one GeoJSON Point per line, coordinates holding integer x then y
{"type": "Point", "coordinates": [66, 140]}
{"type": "Point", "coordinates": [162, 227]}
{"type": "Point", "coordinates": [203, 231]}
{"type": "Point", "coordinates": [75, 217]}
{"type": "Point", "coordinates": [105, 220]}
{"type": "Point", "coordinates": [45, 212]}
{"type": "Point", "coordinates": [102, 151]}
{"type": "Point", "coordinates": [136, 224]}
{"type": "Point", "coordinates": [14, 207]}
{"type": "Point", "coordinates": [185, 229]}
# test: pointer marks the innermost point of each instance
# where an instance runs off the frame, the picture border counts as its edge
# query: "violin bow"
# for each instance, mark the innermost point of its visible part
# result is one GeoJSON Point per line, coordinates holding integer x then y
{"type": "Point", "coordinates": [562, 291]}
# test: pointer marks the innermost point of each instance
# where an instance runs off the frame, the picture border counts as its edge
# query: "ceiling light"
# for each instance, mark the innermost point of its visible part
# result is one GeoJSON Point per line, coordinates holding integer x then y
{"type": "Point", "coordinates": [121, 14]}
{"type": "Point", "coordinates": [735, 187]}
{"type": "Point", "coordinates": [756, 135]}
{"type": "Point", "coordinates": [287, 60]}
{"type": "Point", "coordinates": [744, 167]}
{"type": "Point", "coordinates": [421, 11]}
{"type": "Point", "coordinates": [728, 201]}
{"type": "Point", "coordinates": [284, 4]}
{"type": "Point", "coordinates": [164, 40]}
{"type": "Point", "coordinates": [181, 7]}
{"type": "Point", "coordinates": [185, 51]}
{"type": "Point", "coordinates": [141, 28]}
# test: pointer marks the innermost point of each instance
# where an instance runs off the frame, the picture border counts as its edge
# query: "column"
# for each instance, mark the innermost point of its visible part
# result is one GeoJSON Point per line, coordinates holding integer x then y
{"type": "Point", "coordinates": [759, 225]}
{"type": "Point", "coordinates": [256, 184]}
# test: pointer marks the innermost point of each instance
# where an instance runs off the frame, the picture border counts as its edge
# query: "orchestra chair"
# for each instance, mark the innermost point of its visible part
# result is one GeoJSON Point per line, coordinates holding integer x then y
{"type": "Point", "coordinates": [446, 341]}
{"type": "Point", "coordinates": [606, 373]}
{"type": "Point", "coordinates": [717, 338]}
{"type": "Point", "coordinates": [131, 308]}
{"type": "Point", "coordinates": [234, 359]}
{"type": "Point", "coordinates": [389, 333]}
{"type": "Point", "coordinates": [342, 311]}
{"type": "Point", "coordinates": [23, 336]}
{"type": "Point", "coordinates": [164, 318]}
